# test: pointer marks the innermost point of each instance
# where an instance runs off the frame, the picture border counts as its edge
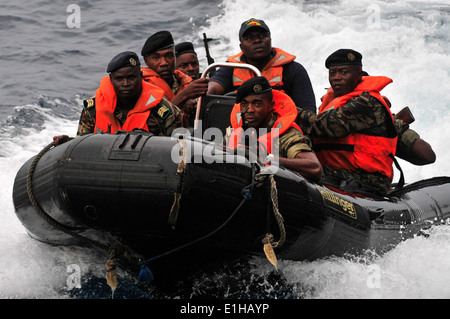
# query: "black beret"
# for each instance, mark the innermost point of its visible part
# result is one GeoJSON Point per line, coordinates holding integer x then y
{"type": "Point", "coordinates": [122, 60]}
{"type": "Point", "coordinates": [184, 47]}
{"type": "Point", "coordinates": [253, 86]}
{"type": "Point", "coordinates": [159, 41]}
{"type": "Point", "coordinates": [252, 23]}
{"type": "Point", "coordinates": [344, 57]}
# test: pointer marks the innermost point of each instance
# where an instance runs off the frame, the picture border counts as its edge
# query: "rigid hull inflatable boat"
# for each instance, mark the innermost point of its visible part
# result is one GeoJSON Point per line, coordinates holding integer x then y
{"type": "Point", "coordinates": [175, 203]}
{"type": "Point", "coordinates": [126, 190]}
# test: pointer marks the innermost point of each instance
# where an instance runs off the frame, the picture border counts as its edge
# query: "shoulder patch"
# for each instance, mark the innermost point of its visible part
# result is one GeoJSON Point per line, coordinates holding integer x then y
{"type": "Point", "coordinates": [89, 102]}
{"type": "Point", "coordinates": [163, 111]}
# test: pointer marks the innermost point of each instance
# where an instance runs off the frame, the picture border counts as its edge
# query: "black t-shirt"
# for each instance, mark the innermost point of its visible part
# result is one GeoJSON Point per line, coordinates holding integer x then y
{"type": "Point", "coordinates": [296, 83]}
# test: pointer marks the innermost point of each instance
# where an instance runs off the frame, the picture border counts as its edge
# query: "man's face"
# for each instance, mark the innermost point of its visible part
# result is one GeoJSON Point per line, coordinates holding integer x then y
{"type": "Point", "coordinates": [162, 62]}
{"type": "Point", "coordinates": [256, 44]}
{"type": "Point", "coordinates": [188, 64]}
{"type": "Point", "coordinates": [344, 78]}
{"type": "Point", "coordinates": [127, 82]}
{"type": "Point", "coordinates": [260, 109]}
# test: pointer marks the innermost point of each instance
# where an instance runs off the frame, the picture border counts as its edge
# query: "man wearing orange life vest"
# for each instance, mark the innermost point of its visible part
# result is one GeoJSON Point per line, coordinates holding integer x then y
{"type": "Point", "coordinates": [124, 101]}
{"type": "Point", "coordinates": [179, 88]}
{"type": "Point", "coordinates": [354, 134]}
{"type": "Point", "coordinates": [276, 65]}
{"type": "Point", "coordinates": [259, 107]}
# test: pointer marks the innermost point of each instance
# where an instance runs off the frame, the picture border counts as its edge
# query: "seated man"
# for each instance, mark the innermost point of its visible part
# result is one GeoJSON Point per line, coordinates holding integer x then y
{"type": "Point", "coordinates": [266, 110]}
{"type": "Point", "coordinates": [180, 89]}
{"type": "Point", "coordinates": [275, 64]}
{"type": "Point", "coordinates": [124, 101]}
{"type": "Point", "coordinates": [187, 60]}
{"type": "Point", "coordinates": [354, 133]}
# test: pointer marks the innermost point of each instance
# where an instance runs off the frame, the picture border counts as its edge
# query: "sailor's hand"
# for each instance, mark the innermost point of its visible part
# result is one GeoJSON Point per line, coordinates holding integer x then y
{"type": "Point", "coordinates": [196, 88]}
{"type": "Point", "coordinates": [190, 107]}
{"type": "Point", "coordinates": [60, 139]}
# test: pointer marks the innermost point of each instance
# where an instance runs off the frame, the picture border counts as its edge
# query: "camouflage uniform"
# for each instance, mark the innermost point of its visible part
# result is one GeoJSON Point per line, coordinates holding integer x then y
{"type": "Point", "coordinates": [290, 143]}
{"type": "Point", "coordinates": [163, 119]}
{"type": "Point", "coordinates": [366, 115]}
{"type": "Point", "coordinates": [406, 138]}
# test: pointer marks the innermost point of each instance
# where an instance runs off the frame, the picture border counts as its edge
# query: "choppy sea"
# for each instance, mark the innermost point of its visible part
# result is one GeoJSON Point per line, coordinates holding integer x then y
{"type": "Point", "coordinates": [54, 53]}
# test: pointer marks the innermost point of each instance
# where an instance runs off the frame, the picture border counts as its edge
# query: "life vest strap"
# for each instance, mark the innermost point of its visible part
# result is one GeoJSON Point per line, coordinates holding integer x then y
{"type": "Point", "coordinates": [333, 147]}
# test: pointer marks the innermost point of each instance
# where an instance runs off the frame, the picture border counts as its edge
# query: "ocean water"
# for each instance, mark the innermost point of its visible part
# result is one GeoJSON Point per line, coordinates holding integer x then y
{"type": "Point", "coordinates": [54, 53]}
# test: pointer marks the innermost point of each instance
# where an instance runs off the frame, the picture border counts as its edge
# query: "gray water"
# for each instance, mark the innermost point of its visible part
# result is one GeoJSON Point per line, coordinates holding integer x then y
{"type": "Point", "coordinates": [47, 68]}
{"type": "Point", "coordinates": [45, 51]}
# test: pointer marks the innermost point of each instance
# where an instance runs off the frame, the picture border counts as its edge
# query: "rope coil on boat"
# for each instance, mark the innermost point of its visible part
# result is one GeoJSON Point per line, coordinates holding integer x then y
{"type": "Point", "coordinates": [276, 211]}
{"type": "Point", "coordinates": [268, 240]}
{"type": "Point", "coordinates": [274, 199]}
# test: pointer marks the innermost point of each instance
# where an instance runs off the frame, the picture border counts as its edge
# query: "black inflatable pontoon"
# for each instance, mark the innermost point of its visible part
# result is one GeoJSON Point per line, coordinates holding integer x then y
{"type": "Point", "coordinates": [172, 202]}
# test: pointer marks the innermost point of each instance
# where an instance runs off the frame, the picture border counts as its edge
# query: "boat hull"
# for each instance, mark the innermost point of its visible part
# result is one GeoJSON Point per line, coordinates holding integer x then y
{"type": "Point", "coordinates": [166, 198]}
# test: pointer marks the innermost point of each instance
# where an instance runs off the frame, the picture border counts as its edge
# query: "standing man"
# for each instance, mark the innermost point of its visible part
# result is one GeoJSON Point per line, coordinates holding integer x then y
{"type": "Point", "coordinates": [272, 114]}
{"type": "Point", "coordinates": [275, 64]}
{"type": "Point", "coordinates": [124, 101]}
{"type": "Point", "coordinates": [187, 60]}
{"type": "Point", "coordinates": [355, 134]}
{"type": "Point", "coordinates": [179, 88]}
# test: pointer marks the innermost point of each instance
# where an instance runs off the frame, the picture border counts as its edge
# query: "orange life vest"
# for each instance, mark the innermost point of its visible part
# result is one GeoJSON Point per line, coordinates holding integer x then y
{"type": "Point", "coordinates": [356, 151]}
{"type": "Point", "coordinates": [273, 71]}
{"type": "Point", "coordinates": [286, 112]}
{"type": "Point", "coordinates": [105, 104]}
{"type": "Point", "coordinates": [151, 76]}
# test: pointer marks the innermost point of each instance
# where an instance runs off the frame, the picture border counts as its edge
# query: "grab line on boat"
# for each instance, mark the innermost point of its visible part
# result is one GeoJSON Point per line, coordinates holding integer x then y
{"type": "Point", "coordinates": [64, 228]}
{"type": "Point", "coordinates": [246, 194]}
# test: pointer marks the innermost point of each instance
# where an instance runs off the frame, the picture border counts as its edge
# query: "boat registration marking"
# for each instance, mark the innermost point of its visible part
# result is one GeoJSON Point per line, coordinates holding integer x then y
{"type": "Point", "coordinates": [341, 205]}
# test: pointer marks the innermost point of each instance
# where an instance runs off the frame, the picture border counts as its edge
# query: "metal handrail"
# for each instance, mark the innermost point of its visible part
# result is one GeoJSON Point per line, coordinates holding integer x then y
{"type": "Point", "coordinates": [213, 66]}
